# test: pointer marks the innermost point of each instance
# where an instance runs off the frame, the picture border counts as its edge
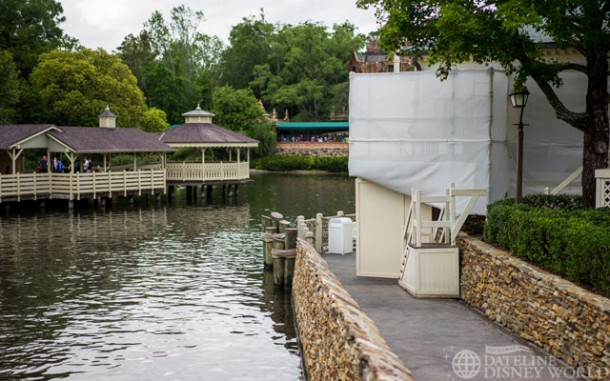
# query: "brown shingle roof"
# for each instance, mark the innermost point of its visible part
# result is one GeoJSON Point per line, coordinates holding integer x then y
{"type": "Point", "coordinates": [204, 133]}
{"type": "Point", "coordinates": [109, 140]}
{"type": "Point", "coordinates": [11, 134]}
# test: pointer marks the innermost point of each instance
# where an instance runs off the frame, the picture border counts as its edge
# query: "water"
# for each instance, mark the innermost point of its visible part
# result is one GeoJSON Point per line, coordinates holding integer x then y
{"type": "Point", "coordinates": [153, 292]}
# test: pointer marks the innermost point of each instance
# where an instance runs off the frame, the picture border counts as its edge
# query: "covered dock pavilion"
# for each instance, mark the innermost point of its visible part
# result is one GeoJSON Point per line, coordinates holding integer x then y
{"type": "Point", "coordinates": [77, 143]}
{"type": "Point", "coordinates": [198, 132]}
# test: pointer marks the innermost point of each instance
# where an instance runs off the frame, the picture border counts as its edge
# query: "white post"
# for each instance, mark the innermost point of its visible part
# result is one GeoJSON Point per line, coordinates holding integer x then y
{"type": "Point", "coordinates": [416, 217]}
{"type": "Point", "coordinates": [135, 162]}
{"type": "Point", "coordinates": [105, 164]}
{"type": "Point", "coordinates": [319, 230]}
{"type": "Point", "coordinates": [396, 63]}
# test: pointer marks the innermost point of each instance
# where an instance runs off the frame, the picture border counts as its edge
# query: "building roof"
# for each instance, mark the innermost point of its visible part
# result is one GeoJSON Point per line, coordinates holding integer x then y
{"type": "Point", "coordinates": [320, 126]}
{"type": "Point", "coordinates": [206, 135]}
{"type": "Point", "coordinates": [108, 140]}
{"type": "Point", "coordinates": [13, 134]}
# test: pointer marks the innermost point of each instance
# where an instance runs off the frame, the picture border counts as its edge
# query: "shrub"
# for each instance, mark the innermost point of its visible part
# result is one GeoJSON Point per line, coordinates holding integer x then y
{"type": "Point", "coordinates": [293, 163]}
{"type": "Point", "coordinates": [550, 232]}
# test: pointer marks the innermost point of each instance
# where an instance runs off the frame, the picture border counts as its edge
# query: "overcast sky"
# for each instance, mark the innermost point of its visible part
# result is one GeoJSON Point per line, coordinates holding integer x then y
{"type": "Point", "coordinates": [105, 23]}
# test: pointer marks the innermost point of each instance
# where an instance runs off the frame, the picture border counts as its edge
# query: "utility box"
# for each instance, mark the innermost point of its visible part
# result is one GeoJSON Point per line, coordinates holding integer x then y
{"type": "Point", "coordinates": [340, 232]}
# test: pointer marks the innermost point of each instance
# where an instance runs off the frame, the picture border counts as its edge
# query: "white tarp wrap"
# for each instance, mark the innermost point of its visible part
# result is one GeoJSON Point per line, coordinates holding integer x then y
{"type": "Point", "coordinates": [413, 130]}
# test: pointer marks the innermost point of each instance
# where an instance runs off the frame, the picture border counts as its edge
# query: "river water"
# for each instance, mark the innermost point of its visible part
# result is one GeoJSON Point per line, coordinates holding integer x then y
{"type": "Point", "coordinates": [159, 292]}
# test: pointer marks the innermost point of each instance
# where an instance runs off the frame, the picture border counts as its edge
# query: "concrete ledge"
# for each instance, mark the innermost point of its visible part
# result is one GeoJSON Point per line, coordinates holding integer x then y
{"type": "Point", "coordinates": [339, 341]}
{"type": "Point", "coordinates": [564, 319]}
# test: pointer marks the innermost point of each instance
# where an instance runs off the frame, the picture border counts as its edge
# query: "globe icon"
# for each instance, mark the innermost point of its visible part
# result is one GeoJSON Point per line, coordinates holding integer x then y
{"type": "Point", "coordinates": [466, 364]}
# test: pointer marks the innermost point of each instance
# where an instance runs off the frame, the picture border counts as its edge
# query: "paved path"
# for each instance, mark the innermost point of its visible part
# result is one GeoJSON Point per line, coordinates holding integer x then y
{"type": "Point", "coordinates": [434, 336]}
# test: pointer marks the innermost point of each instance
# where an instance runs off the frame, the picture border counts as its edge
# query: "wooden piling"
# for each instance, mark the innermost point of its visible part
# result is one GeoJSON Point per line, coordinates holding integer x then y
{"type": "Point", "coordinates": [283, 225]}
{"type": "Point", "coordinates": [277, 217]}
{"type": "Point", "coordinates": [268, 246]}
{"type": "Point", "coordinates": [278, 263]}
{"type": "Point", "coordinates": [290, 243]}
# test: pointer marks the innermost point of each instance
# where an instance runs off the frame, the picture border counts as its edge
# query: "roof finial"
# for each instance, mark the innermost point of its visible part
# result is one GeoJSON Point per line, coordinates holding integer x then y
{"type": "Point", "coordinates": [107, 107]}
{"type": "Point", "coordinates": [198, 108]}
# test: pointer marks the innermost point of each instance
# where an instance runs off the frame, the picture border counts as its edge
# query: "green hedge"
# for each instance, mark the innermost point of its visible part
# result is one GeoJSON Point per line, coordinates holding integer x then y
{"type": "Point", "coordinates": [294, 163]}
{"type": "Point", "coordinates": [551, 232]}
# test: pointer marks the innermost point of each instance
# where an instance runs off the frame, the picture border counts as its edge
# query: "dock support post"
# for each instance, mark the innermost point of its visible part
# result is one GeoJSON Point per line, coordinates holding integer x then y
{"type": "Point", "coordinates": [268, 246]}
{"type": "Point", "coordinates": [290, 242]}
{"type": "Point", "coordinates": [277, 217]}
{"type": "Point", "coordinates": [319, 231]}
{"type": "Point", "coordinates": [278, 263]}
{"type": "Point", "coordinates": [71, 204]}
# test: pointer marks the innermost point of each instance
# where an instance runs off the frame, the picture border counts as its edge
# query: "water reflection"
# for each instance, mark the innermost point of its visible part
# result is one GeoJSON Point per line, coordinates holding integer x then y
{"type": "Point", "coordinates": [159, 292]}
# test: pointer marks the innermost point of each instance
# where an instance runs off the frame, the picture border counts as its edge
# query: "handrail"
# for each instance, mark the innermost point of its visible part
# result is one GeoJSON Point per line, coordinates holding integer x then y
{"type": "Point", "coordinates": [568, 180]}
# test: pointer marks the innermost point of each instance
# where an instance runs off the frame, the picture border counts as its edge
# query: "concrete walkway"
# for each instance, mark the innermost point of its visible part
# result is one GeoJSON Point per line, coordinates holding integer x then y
{"type": "Point", "coordinates": [442, 339]}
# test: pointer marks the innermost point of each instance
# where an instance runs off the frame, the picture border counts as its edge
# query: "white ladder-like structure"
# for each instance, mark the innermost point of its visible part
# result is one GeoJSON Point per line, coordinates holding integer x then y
{"type": "Point", "coordinates": [430, 265]}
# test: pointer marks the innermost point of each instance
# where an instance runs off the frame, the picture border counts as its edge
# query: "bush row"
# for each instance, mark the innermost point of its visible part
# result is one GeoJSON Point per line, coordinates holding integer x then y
{"type": "Point", "coordinates": [552, 233]}
{"type": "Point", "coordinates": [293, 163]}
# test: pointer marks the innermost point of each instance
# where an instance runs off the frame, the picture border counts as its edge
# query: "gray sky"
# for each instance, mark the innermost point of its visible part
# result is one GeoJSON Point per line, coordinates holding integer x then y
{"type": "Point", "coordinates": [104, 23]}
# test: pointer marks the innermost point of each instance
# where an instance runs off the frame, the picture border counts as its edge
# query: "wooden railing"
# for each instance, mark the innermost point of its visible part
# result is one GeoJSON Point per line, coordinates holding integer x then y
{"type": "Point", "coordinates": [207, 172]}
{"type": "Point", "coordinates": [74, 186]}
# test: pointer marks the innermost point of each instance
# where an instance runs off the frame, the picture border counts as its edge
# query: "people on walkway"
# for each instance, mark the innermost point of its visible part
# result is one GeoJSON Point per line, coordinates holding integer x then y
{"type": "Point", "coordinates": [59, 165]}
{"type": "Point", "coordinates": [55, 164]}
{"type": "Point", "coordinates": [43, 166]}
{"type": "Point", "coordinates": [88, 165]}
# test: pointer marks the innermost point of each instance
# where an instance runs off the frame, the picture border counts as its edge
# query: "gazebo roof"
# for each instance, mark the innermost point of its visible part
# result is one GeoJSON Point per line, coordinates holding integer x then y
{"type": "Point", "coordinates": [205, 135]}
{"type": "Point", "coordinates": [108, 140]}
{"type": "Point", "coordinates": [11, 134]}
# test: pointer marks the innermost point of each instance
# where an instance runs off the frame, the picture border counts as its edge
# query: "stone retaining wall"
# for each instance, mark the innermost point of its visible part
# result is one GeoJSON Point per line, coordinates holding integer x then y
{"type": "Point", "coordinates": [312, 149]}
{"type": "Point", "coordinates": [339, 341]}
{"type": "Point", "coordinates": [569, 322]}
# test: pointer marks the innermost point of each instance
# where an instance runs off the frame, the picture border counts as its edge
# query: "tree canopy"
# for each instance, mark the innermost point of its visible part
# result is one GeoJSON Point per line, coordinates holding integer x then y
{"type": "Point", "coordinates": [29, 28]}
{"type": "Point", "coordinates": [172, 61]}
{"type": "Point", "coordinates": [450, 32]}
{"type": "Point", "coordinates": [305, 63]}
{"type": "Point", "coordinates": [74, 87]}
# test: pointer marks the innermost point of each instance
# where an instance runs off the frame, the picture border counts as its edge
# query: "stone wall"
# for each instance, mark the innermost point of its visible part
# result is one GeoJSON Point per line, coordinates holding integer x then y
{"type": "Point", "coordinates": [569, 322]}
{"type": "Point", "coordinates": [312, 149]}
{"type": "Point", "coordinates": [339, 341]}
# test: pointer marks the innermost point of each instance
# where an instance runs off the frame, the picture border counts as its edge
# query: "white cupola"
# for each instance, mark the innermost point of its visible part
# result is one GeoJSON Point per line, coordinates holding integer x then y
{"type": "Point", "coordinates": [107, 119]}
{"type": "Point", "coordinates": [198, 116]}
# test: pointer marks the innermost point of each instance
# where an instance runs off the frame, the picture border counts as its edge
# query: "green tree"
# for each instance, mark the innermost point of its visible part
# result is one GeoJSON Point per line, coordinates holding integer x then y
{"type": "Point", "coordinates": [239, 110]}
{"type": "Point", "coordinates": [235, 109]}
{"type": "Point", "coordinates": [153, 120]}
{"type": "Point", "coordinates": [10, 88]}
{"type": "Point", "coordinates": [29, 28]}
{"type": "Point", "coordinates": [172, 60]}
{"type": "Point", "coordinates": [455, 31]}
{"type": "Point", "coordinates": [304, 64]}
{"type": "Point", "coordinates": [249, 45]}
{"type": "Point", "coordinates": [74, 87]}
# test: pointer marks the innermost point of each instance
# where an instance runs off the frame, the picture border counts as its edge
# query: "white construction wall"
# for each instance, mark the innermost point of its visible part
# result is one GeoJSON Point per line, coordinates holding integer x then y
{"type": "Point", "coordinates": [413, 130]}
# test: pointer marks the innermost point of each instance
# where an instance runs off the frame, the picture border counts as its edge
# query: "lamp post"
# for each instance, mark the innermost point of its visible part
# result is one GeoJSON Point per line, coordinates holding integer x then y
{"type": "Point", "coordinates": [519, 100]}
